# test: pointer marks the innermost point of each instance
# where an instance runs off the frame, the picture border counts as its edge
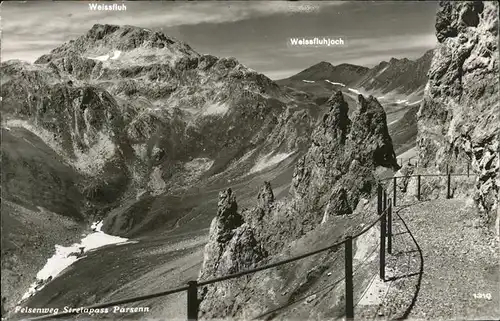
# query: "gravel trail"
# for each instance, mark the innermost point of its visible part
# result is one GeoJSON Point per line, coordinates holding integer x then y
{"type": "Point", "coordinates": [448, 267]}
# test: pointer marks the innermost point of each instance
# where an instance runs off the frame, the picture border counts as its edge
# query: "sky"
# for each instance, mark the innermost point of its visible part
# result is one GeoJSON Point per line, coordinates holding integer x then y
{"type": "Point", "coordinates": [257, 33]}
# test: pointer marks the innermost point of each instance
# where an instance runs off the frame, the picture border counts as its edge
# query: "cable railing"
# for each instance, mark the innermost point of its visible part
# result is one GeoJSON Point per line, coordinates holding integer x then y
{"type": "Point", "coordinates": [448, 175]}
{"type": "Point", "coordinates": [414, 162]}
{"type": "Point", "coordinates": [385, 207]}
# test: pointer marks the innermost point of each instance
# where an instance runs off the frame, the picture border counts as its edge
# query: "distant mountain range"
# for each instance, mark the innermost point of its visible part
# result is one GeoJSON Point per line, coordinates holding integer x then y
{"type": "Point", "coordinates": [398, 78]}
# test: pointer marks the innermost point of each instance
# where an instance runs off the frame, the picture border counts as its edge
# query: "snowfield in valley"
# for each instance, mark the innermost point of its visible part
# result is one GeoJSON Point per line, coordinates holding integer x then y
{"type": "Point", "coordinates": [65, 256]}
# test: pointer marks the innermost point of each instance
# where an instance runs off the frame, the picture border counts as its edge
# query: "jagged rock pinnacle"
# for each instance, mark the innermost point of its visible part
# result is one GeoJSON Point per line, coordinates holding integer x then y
{"type": "Point", "coordinates": [266, 196]}
{"type": "Point", "coordinates": [228, 217]}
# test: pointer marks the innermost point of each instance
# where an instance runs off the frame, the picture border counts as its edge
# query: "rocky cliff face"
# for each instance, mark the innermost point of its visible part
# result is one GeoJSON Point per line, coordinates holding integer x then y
{"type": "Point", "coordinates": [458, 121]}
{"type": "Point", "coordinates": [329, 180]}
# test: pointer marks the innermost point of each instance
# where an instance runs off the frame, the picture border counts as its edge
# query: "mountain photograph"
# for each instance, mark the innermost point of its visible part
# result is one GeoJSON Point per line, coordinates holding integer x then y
{"type": "Point", "coordinates": [250, 160]}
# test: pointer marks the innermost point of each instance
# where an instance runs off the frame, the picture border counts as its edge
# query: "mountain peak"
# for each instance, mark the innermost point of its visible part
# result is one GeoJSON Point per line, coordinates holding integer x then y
{"type": "Point", "coordinates": [99, 30]}
{"type": "Point", "coordinates": [323, 63]}
{"type": "Point", "coordinates": [134, 35]}
{"type": "Point", "coordinates": [347, 65]}
{"type": "Point", "coordinates": [126, 37]}
{"type": "Point", "coordinates": [344, 73]}
{"type": "Point", "coordinates": [102, 39]}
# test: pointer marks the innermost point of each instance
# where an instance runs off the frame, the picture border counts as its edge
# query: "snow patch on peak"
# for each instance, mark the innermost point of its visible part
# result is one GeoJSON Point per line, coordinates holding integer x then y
{"type": "Point", "coordinates": [116, 54]}
{"type": "Point", "coordinates": [112, 55]}
{"type": "Point", "coordinates": [101, 58]}
{"type": "Point", "coordinates": [309, 81]}
{"type": "Point", "coordinates": [354, 91]}
{"type": "Point", "coordinates": [382, 71]}
{"type": "Point", "coordinates": [335, 83]}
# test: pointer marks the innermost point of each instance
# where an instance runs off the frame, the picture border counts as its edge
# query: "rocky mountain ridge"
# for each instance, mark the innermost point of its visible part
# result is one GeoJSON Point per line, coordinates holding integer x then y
{"type": "Point", "coordinates": [139, 62]}
{"type": "Point", "coordinates": [398, 75]}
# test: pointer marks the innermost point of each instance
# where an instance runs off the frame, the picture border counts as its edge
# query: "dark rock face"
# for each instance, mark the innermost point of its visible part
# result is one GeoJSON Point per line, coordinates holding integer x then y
{"type": "Point", "coordinates": [329, 180]}
{"type": "Point", "coordinates": [458, 121]}
{"type": "Point", "coordinates": [339, 202]}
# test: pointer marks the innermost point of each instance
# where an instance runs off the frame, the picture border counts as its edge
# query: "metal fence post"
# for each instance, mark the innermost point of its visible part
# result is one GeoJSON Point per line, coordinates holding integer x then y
{"type": "Point", "coordinates": [385, 201]}
{"type": "Point", "coordinates": [418, 187]}
{"type": "Point", "coordinates": [468, 166]}
{"type": "Point", "coordinates": [192, 301]}
{"type": "Point", "coordinates": [448, 190]}
{"type": "Point", "coordinates": [389, 228]}
{"type": "Point", "coordinates": [349, 290]}
{"type": "Point", "coordinates": [383, 225]}
{"type": "Point", "coordinates": [379, 199]}
{"type": "Point", "coordinates": [394, 190]}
